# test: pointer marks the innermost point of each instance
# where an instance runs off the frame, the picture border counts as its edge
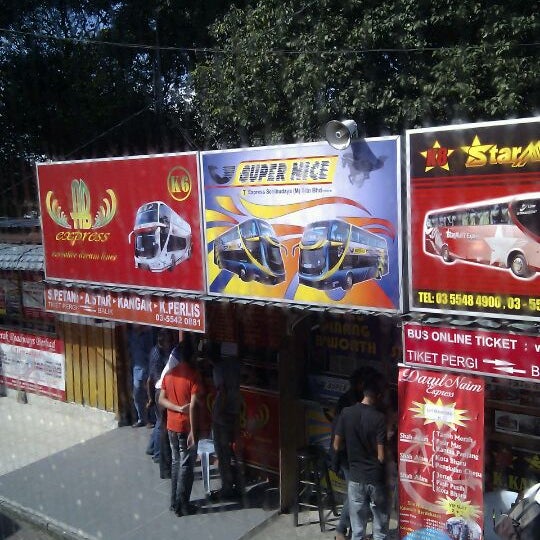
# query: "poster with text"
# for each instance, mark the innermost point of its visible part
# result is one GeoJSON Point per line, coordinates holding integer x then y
{"type": "Point", "coordinates": [441, 455]}
{"type": "Point", "coordinates": [33, 363]}
{"type": "Point", "coordinates": [179, 313]}
{"type": "Point", "coordinates": [474, 218]}
{"type": "Point", "coordinates": [259, 429]}
{"type": "Point", "coordinates": [124, 221]}
{"type": "Point", "coordinates": [305, 223]}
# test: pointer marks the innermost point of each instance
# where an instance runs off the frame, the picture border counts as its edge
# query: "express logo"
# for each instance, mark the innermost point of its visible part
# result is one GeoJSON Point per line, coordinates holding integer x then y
{"type": "Point", "coordinates": [437, 156]}
{"type": "Point", "coordinates": [179, 183]}
{"type": "Point", "coordinates": [480, 155]}
{"type": "Point", "coordinates": [81, 214]}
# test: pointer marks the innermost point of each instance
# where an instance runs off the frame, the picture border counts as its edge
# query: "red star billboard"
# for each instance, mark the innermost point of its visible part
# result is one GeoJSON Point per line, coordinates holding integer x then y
{"type": "Point", "coordinates": [124, 221]}
{"type": "Point", "coordinates": [474, 218]}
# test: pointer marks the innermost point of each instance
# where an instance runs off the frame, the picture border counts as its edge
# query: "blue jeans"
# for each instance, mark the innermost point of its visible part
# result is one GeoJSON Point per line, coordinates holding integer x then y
{"type": "Point", "coordinates": [139, 393]}
{"type": "Point", "coordinates": [154, 444]}
{"type": "Point", "coordinates": [183, 463]}
{"type": "Point", "coordinates": [344, 519]}
{"type": "Point", "coordinates": [360, 496]}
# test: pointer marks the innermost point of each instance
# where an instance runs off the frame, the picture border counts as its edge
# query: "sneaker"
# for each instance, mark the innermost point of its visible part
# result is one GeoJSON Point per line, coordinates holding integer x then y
{"type": "Point", "coordinates": [138, 424]}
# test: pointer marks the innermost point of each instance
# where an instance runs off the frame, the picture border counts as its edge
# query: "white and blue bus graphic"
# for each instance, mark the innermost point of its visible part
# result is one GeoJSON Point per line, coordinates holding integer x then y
{"type": "Point", "coordinates": [252, 251]}
{"type": "Point", "coordinates": [335, 254]}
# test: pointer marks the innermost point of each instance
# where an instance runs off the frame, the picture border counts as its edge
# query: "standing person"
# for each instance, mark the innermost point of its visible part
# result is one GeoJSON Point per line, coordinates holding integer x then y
{"type": "Point", "coordinates": [139, 346]}
{"type": "Point", "coordinates": [361, 429]}
{"type": "Point", "coordinates": [226, 420]}
{"type": "Point", "coordinates": [158, 359]}
{"type": "Point", "coordinates": [165, 454]}
{"type": "Point", "coordinates": [180, 395]}
{"type": "Point", "coordinates": [339, 458]}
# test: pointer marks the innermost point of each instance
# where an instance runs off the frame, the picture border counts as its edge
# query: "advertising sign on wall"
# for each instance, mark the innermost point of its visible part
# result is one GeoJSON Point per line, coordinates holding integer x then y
{"type": "Point", "coordinates": [259, 428]}
{"type": "Point", "coordinates": [305, 223]}
{"type": "Point", "coordinates": [441, 455]}
{"type": "Point", "coordinates": [32, 363]}
{"type": "Point", "coordinates": [179, 313]}
{"type": "Point", "coordinates": [496, 354]}
{"type": "Point", "coordinates": [127, 221]}
{"type": "Point", "coordinates": [474, 218]}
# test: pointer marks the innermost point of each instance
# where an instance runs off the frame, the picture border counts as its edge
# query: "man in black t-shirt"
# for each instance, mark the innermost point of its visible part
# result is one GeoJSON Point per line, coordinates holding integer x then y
{"type": "Point", "coordinates": [361, 429]}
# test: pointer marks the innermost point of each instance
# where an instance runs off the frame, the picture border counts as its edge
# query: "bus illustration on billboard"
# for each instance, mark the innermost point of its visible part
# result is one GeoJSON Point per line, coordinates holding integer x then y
{"type": "Point", "coordinates": [252, 251]}
{"type": "Point", "coordinates": [162, 239]}
{"type": "Point", "coordinates": [337, 254]}
{"type": "Point", "coordinates": [502, 233]}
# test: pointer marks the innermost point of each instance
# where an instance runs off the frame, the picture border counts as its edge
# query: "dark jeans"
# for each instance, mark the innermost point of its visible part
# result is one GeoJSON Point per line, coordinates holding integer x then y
{"type": "Point", "coordinates": [139, 394]}
{"type": "Point", "coordinates": [155, 444]}
{"type": "Point", "coordinates": [165, 454]}
{"type": "Point", "coordinates": [344, 519]}
{"type": "Point", "coordinates": [224, 436]}
{"type": "Point", "coordinates": [183, 463]}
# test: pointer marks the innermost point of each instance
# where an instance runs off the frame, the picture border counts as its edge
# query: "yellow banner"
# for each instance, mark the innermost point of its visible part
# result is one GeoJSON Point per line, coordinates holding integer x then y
{"type": "Point", "coordinates": [319, 170]}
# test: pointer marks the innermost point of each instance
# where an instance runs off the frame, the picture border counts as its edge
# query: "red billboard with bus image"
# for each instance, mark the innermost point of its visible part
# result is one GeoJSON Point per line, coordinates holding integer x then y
{"type": "Point", "coordinates": [123, 221]}
{"type": "Point", "coordinates": [474, 218]}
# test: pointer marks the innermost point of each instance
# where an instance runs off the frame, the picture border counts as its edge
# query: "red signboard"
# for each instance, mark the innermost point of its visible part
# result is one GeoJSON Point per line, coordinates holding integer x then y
{"type": "Point", "coordinates": [259, 428]}
{"type": "Point", "coordinates": [33, 363]}
{"type": "Point", "coordinates": [496, 354]}
{"type": "Point", "coordinates": [128, 221]}
{"type": "Point", "coordinates": [441, 455]}
{"type": "Point", "coordinates": [180, 313]}
{"type": "Point", "coordinates": [474, 209]}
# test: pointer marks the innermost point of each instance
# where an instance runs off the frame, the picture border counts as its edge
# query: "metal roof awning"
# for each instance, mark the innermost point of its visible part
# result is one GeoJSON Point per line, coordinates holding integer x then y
{"type": "Point", "coordinates": [26, 258]}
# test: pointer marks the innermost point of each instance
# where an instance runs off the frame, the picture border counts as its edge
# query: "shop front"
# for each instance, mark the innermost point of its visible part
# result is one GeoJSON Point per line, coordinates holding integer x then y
{"type": "Point", "coordinates": [31, 350]}
{"type": "Point", "coordinates": [287, 260]}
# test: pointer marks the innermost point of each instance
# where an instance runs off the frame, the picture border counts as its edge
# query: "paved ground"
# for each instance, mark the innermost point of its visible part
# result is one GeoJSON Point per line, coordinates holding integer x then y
{"type": "Point", "coordinates": [67, 465]}
{"type": "Point", "coordinates": [42, 427]}
{"type": "Point", "coordinates": [281, 527]}
{"type": "Point", "coordinates": [106, 487]}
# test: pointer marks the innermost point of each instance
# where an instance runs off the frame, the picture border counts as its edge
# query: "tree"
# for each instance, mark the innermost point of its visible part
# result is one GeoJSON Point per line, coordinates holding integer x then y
{"type": "Point", "coordinates": [284, 68]}
{"type": "Point", "coordinates": [66, 99]}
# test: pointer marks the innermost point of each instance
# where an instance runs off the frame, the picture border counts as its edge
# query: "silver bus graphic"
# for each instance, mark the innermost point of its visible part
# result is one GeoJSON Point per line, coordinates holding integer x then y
{"type": "Point", "coordinates": [161, 238]}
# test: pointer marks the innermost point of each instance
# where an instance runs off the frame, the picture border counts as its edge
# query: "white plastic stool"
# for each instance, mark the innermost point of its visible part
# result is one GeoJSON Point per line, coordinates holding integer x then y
{"type": "Point", "coordinates": [204, 449]}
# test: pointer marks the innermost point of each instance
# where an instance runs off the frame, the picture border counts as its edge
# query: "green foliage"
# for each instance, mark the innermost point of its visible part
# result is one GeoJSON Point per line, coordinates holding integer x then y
{"type": "Point", "coordinates": [62, 99]}
{"type": "Point", "coordinates": [253, 94]}
{"type": "Point", "coordinates": [284, 68]}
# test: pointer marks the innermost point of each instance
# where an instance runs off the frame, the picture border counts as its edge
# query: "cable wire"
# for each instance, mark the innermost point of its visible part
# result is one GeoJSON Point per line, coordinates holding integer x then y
{"type": "Point", "coordinates": [213, 50]}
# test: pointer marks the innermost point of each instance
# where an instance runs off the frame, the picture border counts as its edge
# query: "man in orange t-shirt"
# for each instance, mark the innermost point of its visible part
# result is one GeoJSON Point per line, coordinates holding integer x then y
{"type": "Point", "coordinates": [180, 394]}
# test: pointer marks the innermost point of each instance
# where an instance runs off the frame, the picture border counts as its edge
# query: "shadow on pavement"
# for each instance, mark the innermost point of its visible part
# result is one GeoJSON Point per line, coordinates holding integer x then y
{"type": "Point", "coordinates": [8, 527]}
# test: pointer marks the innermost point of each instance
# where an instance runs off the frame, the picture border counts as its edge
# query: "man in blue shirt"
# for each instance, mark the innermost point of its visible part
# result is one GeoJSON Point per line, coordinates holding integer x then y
{"type": "Point", "coordinates": [139, 345]}
{"type": "Point", "coordinates": [158, 359]}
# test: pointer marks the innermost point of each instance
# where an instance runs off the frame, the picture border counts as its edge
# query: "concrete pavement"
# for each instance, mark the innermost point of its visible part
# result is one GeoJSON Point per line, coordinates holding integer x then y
{"type": "Point", "coordinates": [67, 469]}
{"type": "Point", "coordinates": [43, 426]}
{"type": "Point", "coordinates": [106, 487]}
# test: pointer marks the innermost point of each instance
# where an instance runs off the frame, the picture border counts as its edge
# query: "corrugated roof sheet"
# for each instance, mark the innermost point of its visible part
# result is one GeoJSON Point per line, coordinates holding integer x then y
{"type": "Point", "coordinates": [27, 258]}
{"type": "Point", "coordinates": [19, 223]}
